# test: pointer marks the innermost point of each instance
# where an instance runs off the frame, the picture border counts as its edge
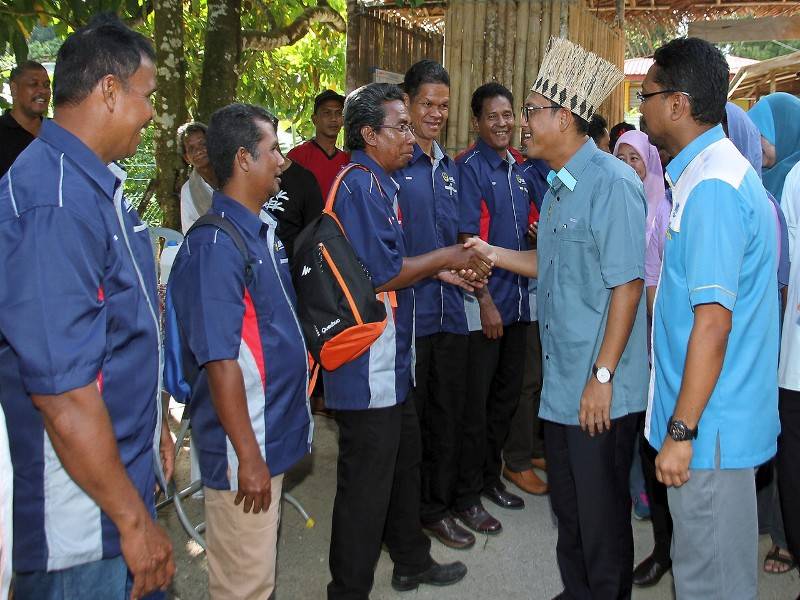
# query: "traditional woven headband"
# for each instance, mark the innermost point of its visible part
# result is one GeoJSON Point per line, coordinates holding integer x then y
{"type": "Point", "coordinates": [576, 78]}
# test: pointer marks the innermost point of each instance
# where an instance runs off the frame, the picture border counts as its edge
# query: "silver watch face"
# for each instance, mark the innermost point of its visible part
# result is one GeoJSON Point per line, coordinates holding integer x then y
{"type": "Point", "coordinates": [603, 375]}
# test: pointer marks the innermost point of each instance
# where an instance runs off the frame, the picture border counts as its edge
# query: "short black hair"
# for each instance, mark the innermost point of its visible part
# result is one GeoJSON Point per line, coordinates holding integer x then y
{"type": "Point", "coordinates": [422, 72]}
{"type": "Point", "coordinates": [616, 132]}
{"type": "Point", "coordinates": [105, 46]}
{"type": "Point", "coordinates": [230, 128]}
{"type": "Point", "coordinates": [699, 69]}
{"type": "Point", "coordinates": [325, 96]}
{"type": "Point", "coordinates": [597, 126]}
{"type": "Point", "coordinates": [28, 65]}
{"type": "Point", "coordinates": [187, 129]}
{"type": "Point", "coordinates": [364, 107]}
{"type": "Point", "coordinates": [487, 91]}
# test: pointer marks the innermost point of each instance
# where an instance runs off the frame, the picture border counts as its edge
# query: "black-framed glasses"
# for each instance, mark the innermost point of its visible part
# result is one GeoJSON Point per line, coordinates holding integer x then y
{"type": "Point", "coordinates": [403, 128]}
{"type": "Point", "coordinates": [642, 97]}
{"type": "Point", "coordinates": [527, 108]}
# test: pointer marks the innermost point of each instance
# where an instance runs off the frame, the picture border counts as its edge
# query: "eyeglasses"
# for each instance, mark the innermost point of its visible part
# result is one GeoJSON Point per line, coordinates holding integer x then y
{"type": "Point", "coordinates": [526, 109]}
{"type": "Point", "coordinates": [642, 97]}
{"type": "Point", "coordinates": [403, 128]}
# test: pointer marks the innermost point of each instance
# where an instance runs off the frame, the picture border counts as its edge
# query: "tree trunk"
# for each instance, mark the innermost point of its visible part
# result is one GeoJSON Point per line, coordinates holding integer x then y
{"type": "Point", "coordinates": [170, 107]}
{"type": "Point", "coordinates": [223, 48]}
{"type": "Point", "coordinates": [354, 24]}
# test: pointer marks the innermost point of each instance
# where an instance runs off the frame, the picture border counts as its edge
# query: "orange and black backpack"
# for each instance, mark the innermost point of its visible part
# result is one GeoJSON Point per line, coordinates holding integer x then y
{"type": "Point", "coordinates": [339, 311]}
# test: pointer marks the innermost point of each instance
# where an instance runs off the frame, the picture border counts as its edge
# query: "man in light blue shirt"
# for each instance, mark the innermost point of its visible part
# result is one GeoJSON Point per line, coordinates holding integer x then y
{"type": "Point", "coordinates": [713, 413]}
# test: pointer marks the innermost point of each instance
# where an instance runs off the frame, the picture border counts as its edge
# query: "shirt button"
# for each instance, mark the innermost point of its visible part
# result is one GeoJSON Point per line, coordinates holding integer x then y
{"type": "Point", "coordinates": [551, 262]}
{"type": "Point", "coordinates": [547, 326]}
{"type": "Point", "coordinates": [554, 229]}
{"type": "Point", "coordinates": [547, 357]}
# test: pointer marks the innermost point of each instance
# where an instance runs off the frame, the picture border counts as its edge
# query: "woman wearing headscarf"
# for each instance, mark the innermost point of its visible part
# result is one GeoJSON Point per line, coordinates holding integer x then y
{"type": "Point", "coordinates": [777, 118]}
{"type": "Point", "coordinates": [747, 138]}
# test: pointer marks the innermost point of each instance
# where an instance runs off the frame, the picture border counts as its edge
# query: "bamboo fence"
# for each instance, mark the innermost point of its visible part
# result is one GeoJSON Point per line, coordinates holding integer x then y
{"type": "Point", "coordinates": [505, 40]}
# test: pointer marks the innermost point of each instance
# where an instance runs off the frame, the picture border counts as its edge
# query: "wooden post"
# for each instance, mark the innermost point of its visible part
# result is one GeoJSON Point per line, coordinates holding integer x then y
{"type": "Point", "coordinates": [456, 36]}
{"type": "Point", "coordinates": [465, 92]}
{"type": "Point", "coordinates": [479, 44]}
{"type": "Point", "coordinates": [353, 38]}
{"type": "Point", "coordinates": [491, 40]}
{"type": "Point", "coordinates": [511, 35]}
{"type": "Point", "coordinates": [544, 40]}
{"type": "Point", "coordinates": [502, 39]}
{"type": "Point", "coordinates": [532, 57]}
{"type": "Point", "coordinates": [520, 53]}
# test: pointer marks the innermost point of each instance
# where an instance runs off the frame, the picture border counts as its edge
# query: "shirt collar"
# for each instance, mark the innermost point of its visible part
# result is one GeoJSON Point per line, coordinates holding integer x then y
{"type": "Point", "coordinates": [569, 174]}
{"type": "Point", "coordinates": [236, 212]}
{"type": "Point", "coordinates": [388, 185]}
{"type": "Point", "coordinates": [438, 154]}
{"type": "Point", "coordinates": [678, 165]}
{"type": "Point", "coordinates": [492, 157]}
{"type": "Point", "coordinates": [80, 154]}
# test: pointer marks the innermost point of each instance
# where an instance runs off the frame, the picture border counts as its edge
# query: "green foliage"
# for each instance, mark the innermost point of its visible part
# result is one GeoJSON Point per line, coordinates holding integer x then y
{"type": "Point", "coordinates": [760, 50]}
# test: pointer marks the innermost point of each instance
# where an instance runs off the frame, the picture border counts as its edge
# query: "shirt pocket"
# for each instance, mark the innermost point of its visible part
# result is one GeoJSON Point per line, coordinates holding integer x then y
{"type": "Point", "coordinates": [575, 254]}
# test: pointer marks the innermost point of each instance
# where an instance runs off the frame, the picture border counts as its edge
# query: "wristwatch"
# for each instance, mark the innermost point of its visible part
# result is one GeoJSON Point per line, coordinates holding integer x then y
{"type": "Point", "coordinates": [602, 374]}
{"type": "Point", "coordinates": [679, 431]}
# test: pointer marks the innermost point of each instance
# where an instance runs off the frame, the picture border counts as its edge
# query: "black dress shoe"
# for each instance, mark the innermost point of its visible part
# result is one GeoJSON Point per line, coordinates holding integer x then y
{"type": "Point", "coordinates": [649, 572]}
{"type": "Point", "coordinates": [477, 519]}
{"type": "Point", "coordinates": [450, 533]}
{"type": "Point", "coordinates": [436, 574]}
{"type": "Point", "coordinates": [503, 498]}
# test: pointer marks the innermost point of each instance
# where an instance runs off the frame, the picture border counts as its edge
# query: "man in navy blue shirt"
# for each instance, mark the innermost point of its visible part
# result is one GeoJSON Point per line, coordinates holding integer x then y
{"type": "Point", "coordinates": [378, 477]}
{"type": "Point", "coordinates": [494, 204]}
{"type": "Point", "coordinates": [428, 201]}
{"type": "Point", "coordinates": [79, 335]}
{"type": "Point", "coordinates": [250, 419]}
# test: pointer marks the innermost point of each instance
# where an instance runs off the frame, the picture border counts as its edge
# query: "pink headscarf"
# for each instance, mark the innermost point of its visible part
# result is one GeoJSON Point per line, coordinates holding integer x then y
{"type": "Point", "coordinates": [654, 181]}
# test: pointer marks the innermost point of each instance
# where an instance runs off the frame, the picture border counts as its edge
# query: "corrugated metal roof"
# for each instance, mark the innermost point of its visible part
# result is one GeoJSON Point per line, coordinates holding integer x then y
{"type": "Point", "coordinates": [638, 67]}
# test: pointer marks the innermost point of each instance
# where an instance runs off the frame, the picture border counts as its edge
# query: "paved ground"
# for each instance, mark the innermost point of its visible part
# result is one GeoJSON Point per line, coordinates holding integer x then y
{"type": "Point", "coordinates": [519, 564]}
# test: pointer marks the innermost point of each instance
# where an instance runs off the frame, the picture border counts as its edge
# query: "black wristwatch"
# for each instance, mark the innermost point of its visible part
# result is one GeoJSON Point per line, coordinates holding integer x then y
{"type": "Point", "coordinates": [679, 431]}
{"type": "Point", "coordinates": [602, 374]}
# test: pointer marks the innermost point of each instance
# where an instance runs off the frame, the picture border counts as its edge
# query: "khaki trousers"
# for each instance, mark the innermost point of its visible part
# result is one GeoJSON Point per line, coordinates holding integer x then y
{"type": "Point", "coordinates": [241, 546]}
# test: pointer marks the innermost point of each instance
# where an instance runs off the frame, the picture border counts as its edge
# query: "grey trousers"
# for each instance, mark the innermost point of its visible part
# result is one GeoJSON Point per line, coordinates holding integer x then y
{"type": "Point", "coordinates": [715, 535]}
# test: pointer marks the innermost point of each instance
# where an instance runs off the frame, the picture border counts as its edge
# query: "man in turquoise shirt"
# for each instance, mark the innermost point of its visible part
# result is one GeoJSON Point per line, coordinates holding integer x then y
{"type": "Point", "coordinates": [590, 265]}
{"type": "Point", "coordinates": [713, 413]}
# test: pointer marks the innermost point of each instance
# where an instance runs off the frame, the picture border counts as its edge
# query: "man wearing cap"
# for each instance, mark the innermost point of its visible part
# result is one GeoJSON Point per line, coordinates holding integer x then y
{"type": "Point", "coordinates": [590, 266]}
{"type": "Point", "coordinates": [320, 154]}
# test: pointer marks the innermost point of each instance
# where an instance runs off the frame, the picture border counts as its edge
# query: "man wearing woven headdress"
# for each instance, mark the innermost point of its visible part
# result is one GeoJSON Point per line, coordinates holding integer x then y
{"type": "Point", "coordinates": [590, 266]}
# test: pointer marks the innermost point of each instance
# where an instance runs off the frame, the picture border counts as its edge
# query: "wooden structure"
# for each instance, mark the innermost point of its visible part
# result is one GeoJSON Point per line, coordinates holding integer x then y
{"type": "Point", "coordinates": [747, 30]}
{"type": "Point", "coordinates": [779, 74]}
{"type": "Point", "coordinates": [648, 13]}
{"type": "Point", "coordinates": [483, 40]}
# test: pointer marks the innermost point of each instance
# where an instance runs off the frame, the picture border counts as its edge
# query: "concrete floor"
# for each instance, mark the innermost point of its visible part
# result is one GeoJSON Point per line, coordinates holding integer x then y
{"type": "Point", "coordinates": [518, 564]}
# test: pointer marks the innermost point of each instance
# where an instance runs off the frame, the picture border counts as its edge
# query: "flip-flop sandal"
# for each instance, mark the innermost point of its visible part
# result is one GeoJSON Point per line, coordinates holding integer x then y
{"type": "Point", "coordinates": [775, 556]}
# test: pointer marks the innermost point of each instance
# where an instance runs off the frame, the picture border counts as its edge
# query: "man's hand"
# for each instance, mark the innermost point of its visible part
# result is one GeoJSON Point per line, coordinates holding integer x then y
{"type": "Point", "coordinates": [255, 485]}
{"type": "Point", "coordinates": [672, 463]}
{"type": "Point", "coordinates": [595, 410]}
{"type": "Point", "coordinates": [471, 262]}
{"type": "Point", "coordinates": [533, 233]}
{"type": "Point", "coordinates": [167, 450]}
{"type": "Point", "coordinates": [491, 321]}
{"type": "Point", "coordinates": [148, 553]}
{"type": "Point", "coordinates": [459, 281]}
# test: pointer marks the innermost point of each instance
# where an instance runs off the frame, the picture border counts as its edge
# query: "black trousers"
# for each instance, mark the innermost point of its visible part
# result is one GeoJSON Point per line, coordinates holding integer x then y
{"type": "Point", "coordinates": [377, 499]}
{"type": "Point", "coordinates": [660, 517]}
{"type": "Point", "coordinates": [440, 396]}
{"type": "Point", "coordinates": [494, 381]}
{"type": "Point", "coordinates": [525, 436]}
{"type": "Point", "coordinates": [788, 469]}
{"type": "Point", "coordinates": [588, 479]}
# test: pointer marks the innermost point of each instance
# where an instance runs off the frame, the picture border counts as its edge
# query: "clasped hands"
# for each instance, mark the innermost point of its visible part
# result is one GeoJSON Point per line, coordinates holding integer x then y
{"type": "Point", "coordinates": [469, 265]}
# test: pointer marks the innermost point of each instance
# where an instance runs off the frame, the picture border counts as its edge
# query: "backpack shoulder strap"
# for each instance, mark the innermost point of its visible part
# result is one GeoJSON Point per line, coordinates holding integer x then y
{"type": "Point", "coordinates": [212, 220]}
{"type": "Point", "coordinates": [335, 187]}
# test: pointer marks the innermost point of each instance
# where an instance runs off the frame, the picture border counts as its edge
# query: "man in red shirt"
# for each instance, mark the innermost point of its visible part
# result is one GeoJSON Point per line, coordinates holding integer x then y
{"type": "Point", "coordinates": [320, 154]}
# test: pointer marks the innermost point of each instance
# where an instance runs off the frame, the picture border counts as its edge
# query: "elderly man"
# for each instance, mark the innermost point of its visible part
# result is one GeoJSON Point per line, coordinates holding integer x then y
{"type": "Point", "coordinates": [590, 265]}
{"type": "Point", "coordinates": [713, 415]}
{"type": "Point", "coordinates": [378, 476]}
{"type": "Point", "coordinates": [19, 126]}
{"type": "Point", "coordinates": [79, 335]}
{"type": "Point", "coordinates": [197, 191]}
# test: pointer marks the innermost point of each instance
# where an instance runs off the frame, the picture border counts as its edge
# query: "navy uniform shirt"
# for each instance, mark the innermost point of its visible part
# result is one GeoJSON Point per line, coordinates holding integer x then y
{"type": "Point", "coordinates": [495, 202]}
{"type": "Point", "coordinates": [591, 240]}
{"type": "Point", "coordinates": [366, 205]}
{"type": "Point", "coordinates": [77, 307]}
{"type": "Point", "coordinates": [428, 201]}
{"type": "Point", "coordinates": [222, 319]}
